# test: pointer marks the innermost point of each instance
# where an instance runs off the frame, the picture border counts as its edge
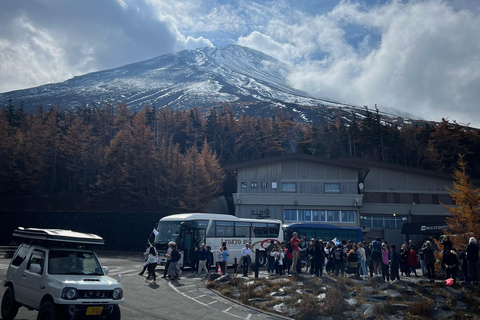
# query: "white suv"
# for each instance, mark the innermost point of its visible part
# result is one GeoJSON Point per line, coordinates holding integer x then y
{"type": "Point", "coordinates": [60, 278]}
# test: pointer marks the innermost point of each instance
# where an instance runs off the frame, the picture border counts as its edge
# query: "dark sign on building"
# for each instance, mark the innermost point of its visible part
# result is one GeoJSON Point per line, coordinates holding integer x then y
{"type": "Point", "coordinates": [424, 228]}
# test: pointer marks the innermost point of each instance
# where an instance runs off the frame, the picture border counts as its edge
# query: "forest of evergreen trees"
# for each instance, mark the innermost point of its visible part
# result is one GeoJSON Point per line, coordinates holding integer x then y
{"type": "Point", "coordinates": [110, 159]}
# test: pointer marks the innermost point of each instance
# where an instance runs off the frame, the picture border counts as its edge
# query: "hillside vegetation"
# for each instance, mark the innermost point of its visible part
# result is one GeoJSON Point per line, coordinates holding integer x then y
{"type": "Point", "coordinates": [111, 159]}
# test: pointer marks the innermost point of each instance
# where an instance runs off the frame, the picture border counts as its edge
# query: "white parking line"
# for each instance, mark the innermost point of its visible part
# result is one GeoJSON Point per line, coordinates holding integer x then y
{"type": "Point", "coordinates": [205, 304]}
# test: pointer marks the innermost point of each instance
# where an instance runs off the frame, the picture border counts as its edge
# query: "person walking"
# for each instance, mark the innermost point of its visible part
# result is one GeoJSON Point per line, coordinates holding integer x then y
{"type": "Point", "coordinates": [429, 253]}
{"type": "Point", "coordinates": [168, 255]}
{"type": "Point", "coordinates": [145, 256]}
{"type": "Point", "coordinates": [473, 260]}
{"type": "Point", "coordinates": [202, 260]}
{"type": "Point", "coordinates": [246, 254]}
{"type": "Point", "coordinates": [151, 264]}
{"type": "Point", "coordinates": [294, 242]}
{"type": "Point", "coordinates": [174, 268]}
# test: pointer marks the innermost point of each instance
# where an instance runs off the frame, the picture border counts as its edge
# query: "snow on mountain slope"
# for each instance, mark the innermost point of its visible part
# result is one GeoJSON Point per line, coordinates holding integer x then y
{"type": "Point", "coordinates": [200, 78]}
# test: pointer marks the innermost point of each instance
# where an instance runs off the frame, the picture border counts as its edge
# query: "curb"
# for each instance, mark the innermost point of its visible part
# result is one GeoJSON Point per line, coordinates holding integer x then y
{"type": "Point", "coordinates": [250, 307]}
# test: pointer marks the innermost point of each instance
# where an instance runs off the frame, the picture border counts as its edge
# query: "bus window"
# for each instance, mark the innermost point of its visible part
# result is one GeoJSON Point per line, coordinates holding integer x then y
{"type": "Point", "coordinates": [167, 231]}
{"type": "Point", "coordinates": [242, 229]}
{"type": "Point", "coordinates": [224, 229]}
{"type": "Point", "coordinates": [259, 230]}
{"type": "Point", "coordinates": [273, 230]}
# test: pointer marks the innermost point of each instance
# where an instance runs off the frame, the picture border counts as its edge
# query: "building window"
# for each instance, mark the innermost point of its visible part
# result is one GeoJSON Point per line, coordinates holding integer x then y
{"type": "Point", "coordinates": [348, 216]}
{"type": "Point", "coordinates": [243, 185]}
{"type": "Point", "coordinates": [290, 215]}
{"type": "Point", "coordinates": [344, 216]}
{"type": "Point", "coordinates": [289, 186]}
{"type": "Point", "coordinates": [254, 184]}
{"type": "Point", "coordinates": [332, 187]}
{"type": "Point", "coordinates": [264, 185]}
{"type": "Point", "coordinates": [274, 185]}
{"type": "Point", "coordinates": [380, 222]}
{"type": "Point", "coordinates": [332, 216]}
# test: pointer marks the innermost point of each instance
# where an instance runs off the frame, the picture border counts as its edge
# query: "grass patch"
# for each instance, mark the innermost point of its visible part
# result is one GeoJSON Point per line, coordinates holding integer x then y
{"type": "Point", "coordinates": [420, 308]}
{"type": "Point", "coordinates": [308, 309]}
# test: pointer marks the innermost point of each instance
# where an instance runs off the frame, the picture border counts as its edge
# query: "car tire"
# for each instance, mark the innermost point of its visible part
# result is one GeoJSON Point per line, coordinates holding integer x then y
{"type": "Point", "coordinates": [9, 305]}
{"type": "Point", "coordinates": [116, 314]}
{"type": "Point", "coordinates": [47, 311]}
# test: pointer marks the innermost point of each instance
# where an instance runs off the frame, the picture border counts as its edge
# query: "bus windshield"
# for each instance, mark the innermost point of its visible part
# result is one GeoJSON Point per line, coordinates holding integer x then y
{"type": "Point", "coordinates": [167, 231]}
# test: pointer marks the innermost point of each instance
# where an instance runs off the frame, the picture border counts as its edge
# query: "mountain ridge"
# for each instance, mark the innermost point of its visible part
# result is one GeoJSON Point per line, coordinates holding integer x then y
{"type": "Point", "coordinates": [250, 81]}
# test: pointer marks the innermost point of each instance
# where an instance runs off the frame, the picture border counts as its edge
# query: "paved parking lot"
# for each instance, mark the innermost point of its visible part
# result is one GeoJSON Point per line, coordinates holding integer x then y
{"type": "Point", "coordinates": [184, 299]}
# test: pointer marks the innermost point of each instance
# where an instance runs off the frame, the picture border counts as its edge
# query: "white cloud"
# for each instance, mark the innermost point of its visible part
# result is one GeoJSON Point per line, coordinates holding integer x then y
{"type": "Point", "coordinates": [282, 51]}
{"type": "Point", "coordinates": [428, 61]}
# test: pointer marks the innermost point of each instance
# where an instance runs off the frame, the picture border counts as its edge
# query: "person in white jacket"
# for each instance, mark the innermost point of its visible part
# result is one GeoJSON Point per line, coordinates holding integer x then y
{"type": "Point", "coordinates": [278, 255]}
{"type": "Point", "coordinates": [151, 264]}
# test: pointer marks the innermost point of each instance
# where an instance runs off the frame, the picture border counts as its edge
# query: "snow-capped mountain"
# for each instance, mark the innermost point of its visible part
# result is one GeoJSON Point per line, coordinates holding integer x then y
{"type": "Point", "coordinates": [248, 80]}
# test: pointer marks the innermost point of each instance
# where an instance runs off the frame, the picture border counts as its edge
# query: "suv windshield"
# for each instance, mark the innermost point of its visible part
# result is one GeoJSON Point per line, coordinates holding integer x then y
{"type": "Point", "coordinates": [73, 262]}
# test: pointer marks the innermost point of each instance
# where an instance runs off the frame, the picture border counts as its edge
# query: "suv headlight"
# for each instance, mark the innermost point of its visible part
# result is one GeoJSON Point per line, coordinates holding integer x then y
{"type": "Point", "coordinates": [117, 293]}
{"type": "Point", "coordinates": [69, 293]}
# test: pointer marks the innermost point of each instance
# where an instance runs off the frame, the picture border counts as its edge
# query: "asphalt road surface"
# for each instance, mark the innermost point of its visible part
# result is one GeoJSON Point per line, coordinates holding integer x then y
{"type": "Point", "coordinates": [184, 299]}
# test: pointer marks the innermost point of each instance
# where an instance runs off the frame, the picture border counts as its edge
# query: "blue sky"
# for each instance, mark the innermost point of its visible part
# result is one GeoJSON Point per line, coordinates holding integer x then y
{"type": "Point", "coordinates": [421, 57]}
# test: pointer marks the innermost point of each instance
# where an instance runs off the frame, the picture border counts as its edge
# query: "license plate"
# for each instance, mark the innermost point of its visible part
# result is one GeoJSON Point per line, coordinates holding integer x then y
{"type": "Point", "coordinates": [94, 311]}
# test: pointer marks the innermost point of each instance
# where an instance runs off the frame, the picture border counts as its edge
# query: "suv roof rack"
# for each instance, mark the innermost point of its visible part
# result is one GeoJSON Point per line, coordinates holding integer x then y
{"type": "Point", "coordinates": [58, 235]}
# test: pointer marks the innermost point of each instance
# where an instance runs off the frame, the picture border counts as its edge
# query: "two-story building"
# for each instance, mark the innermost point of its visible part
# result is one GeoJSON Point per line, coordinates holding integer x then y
{"type": "Point", "coordinates": [381, 198]}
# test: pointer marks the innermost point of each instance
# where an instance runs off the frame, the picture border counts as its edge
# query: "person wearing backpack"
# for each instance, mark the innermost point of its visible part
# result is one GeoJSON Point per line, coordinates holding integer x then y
{"type": "Point", "coordinates": [174, 269]}
{"type": "Point", "coordinates": [339, 259]}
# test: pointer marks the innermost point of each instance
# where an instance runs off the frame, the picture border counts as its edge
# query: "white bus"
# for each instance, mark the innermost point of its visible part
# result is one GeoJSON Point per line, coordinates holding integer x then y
{"type": "Point", "coordinates": [190, 230]}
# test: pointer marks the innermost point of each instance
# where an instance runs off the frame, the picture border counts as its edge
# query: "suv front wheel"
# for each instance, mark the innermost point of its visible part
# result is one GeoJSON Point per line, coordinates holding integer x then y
{"type": "Point", "coordinates": [9, 305]}
{"type": "Point", "coordinates": [47, 311]}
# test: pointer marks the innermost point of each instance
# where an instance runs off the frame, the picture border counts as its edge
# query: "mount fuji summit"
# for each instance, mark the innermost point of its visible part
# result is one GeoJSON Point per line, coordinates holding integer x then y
{"type": "Point", "coordinates": [251, 82]}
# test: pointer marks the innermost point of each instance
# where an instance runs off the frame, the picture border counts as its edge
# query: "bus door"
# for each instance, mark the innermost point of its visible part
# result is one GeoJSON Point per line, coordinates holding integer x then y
{"type": "Point", "coordinates": [193, 235]}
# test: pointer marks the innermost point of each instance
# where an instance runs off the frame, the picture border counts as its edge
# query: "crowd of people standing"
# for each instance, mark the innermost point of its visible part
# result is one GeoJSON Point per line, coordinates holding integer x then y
{"type": "Point", "coordinates": [374, 259]}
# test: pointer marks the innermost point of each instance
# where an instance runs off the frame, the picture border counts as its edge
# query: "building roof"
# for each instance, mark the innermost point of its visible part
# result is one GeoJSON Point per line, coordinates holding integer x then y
{"type": "Point", "coordinates": [297, 156]}
{"type": "Point", "coordinates": [351, 162]}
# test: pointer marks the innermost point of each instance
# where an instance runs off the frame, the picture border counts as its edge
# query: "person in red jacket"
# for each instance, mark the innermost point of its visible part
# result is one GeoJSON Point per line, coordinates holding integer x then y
{"type": "Point", "coordinates": [412, 261]}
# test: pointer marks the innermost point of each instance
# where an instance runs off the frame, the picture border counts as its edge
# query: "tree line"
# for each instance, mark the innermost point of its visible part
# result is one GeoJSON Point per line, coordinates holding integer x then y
{"type": "Point", "coordinates": [168, 160]}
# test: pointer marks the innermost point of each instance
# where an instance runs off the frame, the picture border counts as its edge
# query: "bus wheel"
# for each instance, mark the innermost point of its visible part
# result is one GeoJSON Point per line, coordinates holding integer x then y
{"type": "Point", "coordinates": [261, 259]}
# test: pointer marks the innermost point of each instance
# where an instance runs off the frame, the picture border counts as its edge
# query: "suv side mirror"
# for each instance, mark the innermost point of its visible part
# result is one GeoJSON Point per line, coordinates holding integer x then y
{"type": "Point", "coordinates": [105, 270]}
{"type": "Point", "coordinates": [35, 268]}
